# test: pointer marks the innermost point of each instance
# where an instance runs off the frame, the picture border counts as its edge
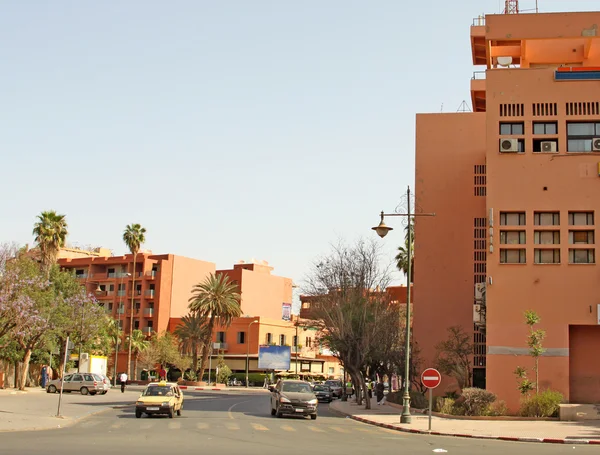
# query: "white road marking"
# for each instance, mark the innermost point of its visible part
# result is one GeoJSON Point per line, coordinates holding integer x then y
{"type": "Point", "coordinates": [259, 427]}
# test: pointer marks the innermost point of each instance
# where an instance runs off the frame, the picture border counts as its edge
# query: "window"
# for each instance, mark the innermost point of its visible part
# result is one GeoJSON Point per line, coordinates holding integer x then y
{"type": "Point", "coordinates": [546, 219]}
{"type": "Point", "coordinates": [512, 218]}
{"type": "Point", "coordinates": [581, 257]}
{"type": "Point", "coordinates": [580, 136]}
{"type": "Point", "coordinates": [110, 306]}
{"type": "Point", "coordinates": [282, 340]}
{"type": "Point", "coordinates": [308, 342]}
{"type": "Point", "coordinates": [331, 370]}
{"type": "Point", "coordinates": [138, 305]}
{"type": "Point", "coordinates": [150, 324]}
{"type": "Point", "coordinates": [512, 256]}
{"type": "Point", "coordinates": [111, 287]}
{"type": "Point", "coordinates": [512, 237]}
{"type": "Point", "coordinates": [241, 337]}
{"type": "Point", "coordinates": [138, 289]}
{"type": "Point", "coordinates": [295, 340]}
{"type": "Point", "coordinates": [581, 218]}
{"type": "Point", "coordinates": [220, 337]}
{"type": "Point", "coordinates": [269, 338]}
{"type": "Point", "coordinates": [512, 129]}
{"type": "Point", "coordinates": [546, 237]}
{"type": "Point", "coordinates": [136, 324]}
{"type": "Point", "coordinates": [546, 256]}
{"type": "Point", "coordinates": [581, 237]}
{"type": "Point", "coordinates": [545, 128]}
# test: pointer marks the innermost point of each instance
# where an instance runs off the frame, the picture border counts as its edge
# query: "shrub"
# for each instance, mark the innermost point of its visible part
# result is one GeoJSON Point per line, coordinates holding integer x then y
{"type": "Point", "coordinates": [190, 376]}
{"type": "Point", "coordinates": [417, 400]}
{"type": "Point", "coordinates": [497, 408]}
{"type": "Point", "coordinates": [451, 407]}
{"type": "Point", "coordinates": [477, 401]}
{"type": "Point", "coordinates": [545, 404]}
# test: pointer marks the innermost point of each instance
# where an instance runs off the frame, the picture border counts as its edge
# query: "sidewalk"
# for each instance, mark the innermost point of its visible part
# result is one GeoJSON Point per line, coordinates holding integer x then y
{"type": "Point", "coordinates": [388, 416]}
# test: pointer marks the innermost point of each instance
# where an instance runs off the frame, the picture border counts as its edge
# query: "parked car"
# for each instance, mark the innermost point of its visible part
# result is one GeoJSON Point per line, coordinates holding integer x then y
{"type": "Point", "coordinates": [323, 393]}
{"type": "Point", "coordinates": [335, 386]}
{"type": "Point", "coordinates": [85, 383]}
{"type": "Point", "coordinates": [160, 398]}
{"type": "Point", "coordinates": [295, 398]}
{"type": "Point", "coordinates": [105, 382]}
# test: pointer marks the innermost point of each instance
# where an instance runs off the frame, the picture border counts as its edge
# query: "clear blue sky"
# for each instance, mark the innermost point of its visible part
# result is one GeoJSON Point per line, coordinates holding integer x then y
{"type": "Point", "coordinates": [229, 129]}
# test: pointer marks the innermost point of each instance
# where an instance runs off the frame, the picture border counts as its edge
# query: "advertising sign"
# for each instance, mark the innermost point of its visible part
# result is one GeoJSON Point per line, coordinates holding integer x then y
{"type": "Point", "coordinates": [274, 357]}
{"type": "Point", "coordinates": [286, 311]}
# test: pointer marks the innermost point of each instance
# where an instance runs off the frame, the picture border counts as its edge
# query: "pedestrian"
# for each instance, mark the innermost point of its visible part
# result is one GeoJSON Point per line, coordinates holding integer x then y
{"type": "Point", "coordinates": [379, 388]}
{"type": "Point", "coordinates": [123, 380]}
{"type": "Point", "coordinates": [162, 374]}
{"type": "Point", "coordinates": [44, 376]}
{"type": "Point", "coordinates": [370, 389]}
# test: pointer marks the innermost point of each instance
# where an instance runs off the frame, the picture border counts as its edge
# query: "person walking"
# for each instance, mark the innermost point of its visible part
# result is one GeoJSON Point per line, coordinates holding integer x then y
{"type": "Point", "coordinates": [123, 381]}
{"type": "Point", "coordinates": [370, 389]}
{"type": "Point", "coordinates": [379, 388]}
{"type": "Point", "coordinates": [44, 374]}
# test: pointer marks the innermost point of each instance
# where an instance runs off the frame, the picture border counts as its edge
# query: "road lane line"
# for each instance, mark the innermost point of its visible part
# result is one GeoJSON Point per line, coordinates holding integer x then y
{"type": "Point", "coordinates": [259, 427]}
{"type": "Point", "coordinates": [339, 430]}
{"type": "Point", "coordinates": [146, 425]}
{"type": "Point", "coordinates": [232, 426]}
{"type": "Point", "coordinates": [229, 413]}
{"type": "Point", "coordinates": [202, 425]}
{"type": "Point", "coordinates": [316, 429]}
{"type": "Point", "coordinates": [174, 425]}
{"type": "Point", "coordinates": [117, 425]}
{"type": "Point", "coordinates": [287, 428]}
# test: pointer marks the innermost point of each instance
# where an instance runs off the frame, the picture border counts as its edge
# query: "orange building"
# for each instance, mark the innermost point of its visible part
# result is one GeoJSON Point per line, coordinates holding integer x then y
{"type": "Point", "coordinates": [515, 187]}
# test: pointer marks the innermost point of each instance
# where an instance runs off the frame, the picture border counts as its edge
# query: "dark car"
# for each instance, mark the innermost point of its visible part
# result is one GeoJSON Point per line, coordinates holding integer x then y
{"type": "Point", "coordinates": [323, 393]}
{"type": "Point", "coordinates": [336, 387]}
{"type": "Point", "coordinates": [295, 398]}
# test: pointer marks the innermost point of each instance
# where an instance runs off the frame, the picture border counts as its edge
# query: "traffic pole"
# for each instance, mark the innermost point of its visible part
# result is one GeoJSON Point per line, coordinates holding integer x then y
{"type": "Point", "coordinates": [430, 406]}
{"type": "Point", "coordinates": [62, 380]}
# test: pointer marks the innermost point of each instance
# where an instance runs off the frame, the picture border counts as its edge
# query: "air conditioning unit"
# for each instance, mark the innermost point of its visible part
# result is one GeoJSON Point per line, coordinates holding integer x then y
{"type": "Point", "coordinates": [479, 291]}
{"type": "Point", "coordinates": [477, 316]}
{"type": "Point", "coordinates": [509, 145]}
{"type": "Point", "coordinates": [548, 146]}
{"type": "Point", "coordinates": [596, 144]}
{"type": "Point", "coordinates": [85, 357]}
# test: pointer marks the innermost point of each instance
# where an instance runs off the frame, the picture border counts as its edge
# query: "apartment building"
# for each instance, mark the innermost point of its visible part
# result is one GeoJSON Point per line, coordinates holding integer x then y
{"type": "Point", "coordinates": [515, 186]}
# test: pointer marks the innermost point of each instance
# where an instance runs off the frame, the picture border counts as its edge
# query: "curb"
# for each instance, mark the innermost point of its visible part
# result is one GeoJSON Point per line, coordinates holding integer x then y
{"type": "Point", "coordinates": [470, 436]}
{"type": "Point", "coordinates": [185, 387]}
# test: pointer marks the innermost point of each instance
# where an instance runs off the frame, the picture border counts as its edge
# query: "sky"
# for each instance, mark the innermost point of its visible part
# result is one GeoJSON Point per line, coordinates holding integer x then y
{"type": "Point", "coordinates": [231, 130]}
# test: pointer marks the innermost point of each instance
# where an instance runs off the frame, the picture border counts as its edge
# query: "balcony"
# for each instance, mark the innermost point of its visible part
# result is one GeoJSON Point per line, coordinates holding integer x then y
{"type": "Point", "coordinates": [151, 274]}
{"type": "Point", "coordinates": [149, 293]}
{"type": "Point", "coordinates": [148, 330]}
{"type": "Point", "coordinates": [80, 276]}
{"type": "Point", "coordinates": [478, 41]}
{"type": "Point", "coordinates": [220, 346]}
{"type": "Point", "coordinates": [478, 85]}
{"type": "Point", "coordinates": [121, 293]}
{"type": "Point", "coordinates": [149, 312]}
{"type": "Point", "coordinates": [121, 309]}
{"type": "Point", "coordinates": [99, 275]}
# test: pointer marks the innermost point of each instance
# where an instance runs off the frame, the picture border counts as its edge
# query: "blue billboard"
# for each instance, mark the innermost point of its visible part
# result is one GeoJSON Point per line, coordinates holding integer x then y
{"type": "Point", "coordinates": [274, 357]}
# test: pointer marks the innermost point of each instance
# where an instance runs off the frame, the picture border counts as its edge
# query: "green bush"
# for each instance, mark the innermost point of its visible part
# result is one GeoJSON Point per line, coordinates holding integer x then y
{"type": "Point", "coordinates": [190, 376]}
{"type": "Point", "coordinates": [476, 402]}
{"type": "Point", "coordinates": [224, 373]}
{"type": "Point", "coordinates": [451, 407]}
{"type": "Point", "coordinates": [418, 400]}
{"type": "Point", "coordinates": [497, 408]}
{"type": "Point", "coordinates": [545, 404]}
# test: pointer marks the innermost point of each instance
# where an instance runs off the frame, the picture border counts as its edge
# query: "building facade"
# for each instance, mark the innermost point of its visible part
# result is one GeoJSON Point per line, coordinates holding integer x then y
{"type": "Point", "coordinates": [515, 186]}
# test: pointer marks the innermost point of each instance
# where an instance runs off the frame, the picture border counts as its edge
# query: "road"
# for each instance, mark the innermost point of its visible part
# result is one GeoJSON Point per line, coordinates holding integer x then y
{"type": "Point", "coordinates": [229, 423]}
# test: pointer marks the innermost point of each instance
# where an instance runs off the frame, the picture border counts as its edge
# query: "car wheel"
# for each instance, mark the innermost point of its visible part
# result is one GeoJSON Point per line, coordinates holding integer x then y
{"type": "Point", "coordinates": [105, 392]}
{"type": "Point", "coordinates": [51, 389]}
{"type": "Point", "coordinates": [171, 413]}
{"type": "Point", "coordinates": [278, 413]}
{"type": "Point", "coordinates": [84, 390]}
{"type": "Point", "coordinates": [93, 393]}
{"type": "Point", "coordinates": [138, 414]}
{"type": "Point", "coordinates": [313, 417]}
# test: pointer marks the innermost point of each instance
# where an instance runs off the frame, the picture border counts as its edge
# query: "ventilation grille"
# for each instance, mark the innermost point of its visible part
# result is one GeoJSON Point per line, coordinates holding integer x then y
{"type": "Point", "coordinates": [479, 274]}
{"type": "Point", "coordinates": [545, 109]}
{"type": "Point", "coordinates": [479, 348]}
{"type": "Point", "coordinates": [512, 110]}
{"type": "Point", "coordinates": [480, 180]}
{"type": "Point", "coordinates": [586, 108]}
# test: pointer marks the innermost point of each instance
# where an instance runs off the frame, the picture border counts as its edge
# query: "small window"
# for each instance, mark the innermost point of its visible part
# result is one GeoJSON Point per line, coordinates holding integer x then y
{"type": "Point", "coordinates": [512, 237]}
{"type": "Point", "coordinates": [150, 324]}
{"type": "Point", "coordinates": [545, 128]}
{"type": "Point", "coordinates": [512, 218]}
{"type": "Point", "coordinates": [582, 256]}
{"type": "Point", "coordinates": [241, 337]}
{"type": "Point", "coordinates": [512, 256]}
{"type": "Point", "coordinates": [269, 338]}
{"type": "Point", "coordinates": [512, 129]}
{"type": "Point", "coordinates": [580, 136]}
{"type": "Point", "coordinates": [220, 337]}
{"type": "Point", "coordinates": [546, 219]}
{"type": "Point", "coordinates": [546, 237]}
{"type": "Point", "coordinates": [547, 256]}
{"type": "Point", "coordinates": [581, 237]}
{"type": "Point", "coordinates": [282, 340]}
{"type": "Point", "coordinates": [581, 218]}
{"type": "Point", "coordinates": [295, 340]}
{"type": "Point", "coordinates": [308, 342]}
{"type": "Point", "coordinates": [136, 324]}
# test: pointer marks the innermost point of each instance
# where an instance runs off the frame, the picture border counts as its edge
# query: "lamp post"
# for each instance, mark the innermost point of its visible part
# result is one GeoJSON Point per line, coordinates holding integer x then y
{"type": "Point", "coordinates": [120, 310]}
{"type": "Point", "coordinates": [98, 289]}
{"type": "Point", "coordinates": [248, 350]}
{"type": "Point", "coordinates": [382, 231]}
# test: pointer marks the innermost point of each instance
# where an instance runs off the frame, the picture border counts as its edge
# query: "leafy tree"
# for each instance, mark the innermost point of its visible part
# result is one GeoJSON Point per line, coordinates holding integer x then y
{"type": "Point", "coordinates": [182, 363]}
{"type": "Point", "coordinates": [50, 234]}
{"type": "Point", "coordinates": [453, 356]}
{"type": "Point", "coordinates": [192, 332]}
{"type": "Point", "coordinates": [402, 256]}
{"type": "Point", "coordinates": [224, 371]}
{"type": "Point", "coordinates": [534, 341]}
{"type": "Point", "coordinates": [133, 236]}
{"type": "Point", "coordinates": [138, 343]}
{"type": "Point", "coordinates": [161, 349]}
{"type": "Point", "coordinates": [217, 300]}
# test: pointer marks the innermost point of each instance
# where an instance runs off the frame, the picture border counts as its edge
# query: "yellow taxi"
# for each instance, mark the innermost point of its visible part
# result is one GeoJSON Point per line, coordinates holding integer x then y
{"type": "Point", "coordinates": [160, 398]}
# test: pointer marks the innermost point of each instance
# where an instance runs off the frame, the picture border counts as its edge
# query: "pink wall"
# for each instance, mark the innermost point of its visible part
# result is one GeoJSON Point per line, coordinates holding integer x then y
{"type": "Point", "coordinates": [186, 274]}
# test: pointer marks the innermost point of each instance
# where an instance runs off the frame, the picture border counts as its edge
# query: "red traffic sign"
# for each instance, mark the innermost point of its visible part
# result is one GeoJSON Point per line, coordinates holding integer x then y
{"type": "Point", "coordinates": [431, 378]}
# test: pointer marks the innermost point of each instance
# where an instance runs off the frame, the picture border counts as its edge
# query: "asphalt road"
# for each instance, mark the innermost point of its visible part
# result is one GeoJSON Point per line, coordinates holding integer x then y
{"type": "Point", "coordinates": [241, 423]}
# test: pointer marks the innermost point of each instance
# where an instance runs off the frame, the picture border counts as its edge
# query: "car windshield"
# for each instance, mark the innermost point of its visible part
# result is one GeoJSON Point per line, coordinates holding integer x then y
{"type": "Point", "coordinates": [334, 383]}
{"type": "Point", "coordinates": [296, 387]}
{"type": "Point", "coordinates": [321, 388]}
{"type": "Point", "coordinates": [158, 391]}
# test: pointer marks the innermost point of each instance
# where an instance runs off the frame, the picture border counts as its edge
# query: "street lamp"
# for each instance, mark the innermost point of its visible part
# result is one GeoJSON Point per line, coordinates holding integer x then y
{"type": "Point", "coordinates": [98, 289]}
{"type": "Point", "coordinates": [382, 231]}
{"type": "Point", "coordinates": [248, 350]}
{"type": "Point", "coordinates": [120, 310]}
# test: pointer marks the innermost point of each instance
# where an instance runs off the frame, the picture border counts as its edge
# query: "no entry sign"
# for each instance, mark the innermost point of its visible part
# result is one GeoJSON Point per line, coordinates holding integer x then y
{"type": "Point", "coordinates": [431, 378]}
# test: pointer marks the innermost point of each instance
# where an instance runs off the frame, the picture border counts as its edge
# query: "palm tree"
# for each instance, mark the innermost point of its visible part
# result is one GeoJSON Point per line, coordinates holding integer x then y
{"type": "Point", "coordinates": [217, 300]}
{"type": "Point", "coordinates": [133, 236]}
{"type": "Point", "coordinates": [138, 343]}
{"type": "Point", "coordinates": [402, 256]}
{"type": "Point", "coordinates": [50, 233]}
{"type": "Point", "coordinates": [192, 332]}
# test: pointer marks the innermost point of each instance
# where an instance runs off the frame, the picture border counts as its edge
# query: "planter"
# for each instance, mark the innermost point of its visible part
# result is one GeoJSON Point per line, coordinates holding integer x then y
{"type": "Point", "coordinates": [193, 383]}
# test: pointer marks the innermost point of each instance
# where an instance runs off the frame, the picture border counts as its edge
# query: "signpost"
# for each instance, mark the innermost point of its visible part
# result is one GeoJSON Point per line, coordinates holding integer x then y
{"type": "Point", "coordinates": [431, 378]}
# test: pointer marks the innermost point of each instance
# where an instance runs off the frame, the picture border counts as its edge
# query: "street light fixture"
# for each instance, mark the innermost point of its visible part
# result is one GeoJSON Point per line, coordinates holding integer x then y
{"type": "Point", "coordinates": [98, 289]}
{"type": "Point", "coordinates": [382, 230]}
{"type": "Point", "coordinates": [248, 350]}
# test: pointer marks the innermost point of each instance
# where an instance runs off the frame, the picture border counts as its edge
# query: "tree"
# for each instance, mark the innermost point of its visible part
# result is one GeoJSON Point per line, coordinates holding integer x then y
{"type": "Point", "coordinates": [402, 256]}
{"type": "Point", "coordinates": [192, 332]}
{"type": "Point", "coordinates": [182, 363]}
{"type": "Point", "coordinates": [348, 306]}
{"type": "Point", "coordinates": [217, 300]}
{"type": "Point", "coordinates": [133, 236]}
{"type": "Point", "coordinates": [534, 341]}
{"type": "Point", "coordinates": [224, 372]}
{"type": "Point", "coordinates": [453, 356]}
{"type": "Point", "coordinates": [138, 343]}
{"type": "Point", "coordinates": [50, 234]}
